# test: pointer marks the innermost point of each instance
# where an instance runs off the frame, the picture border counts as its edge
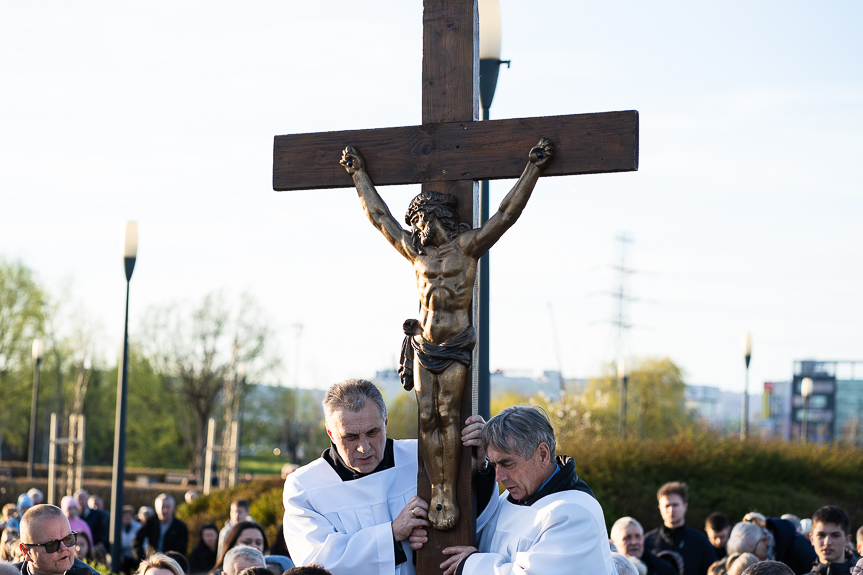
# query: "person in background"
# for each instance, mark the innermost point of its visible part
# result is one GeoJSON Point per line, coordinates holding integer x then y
{"type": "Point", "coordinates": [795, 521]}
{"type": "Point", "coordinates": [245, 533]}
{"type": "Point", "coordinates": [313, 569]}
{"type": "Point", "coordinates": [159, 564]}
{"type": "Point", "coordinates": [24, 503]}
{"type": "Point", "coordinates": [675, 535]}
{"type": "Point", "coordinates": [83, 548]}
{"type": "Point", "coordinates": [627, 534]}
{"type": "Point", "coordinates": [718, 528]}
{"type": "Point", "coordinates": [768, 568]}
{"type": "Point", "coordinates": [164, 532]}
{"type": "Point", "coordinates": [128, 531]}
{"type": "Point", "coordinates": [831, 532]}
{"type": "Point", "coordinates": [8, 543]}
{"type": "Point", "coordinates": [97, 503]}
{"type": "Point", "coordinates": [36, 496]}
{"type": "Point", "coordinates": [242, 557]}
{"type": "Point", "coordinates": [239, 514]}
{"type": "Point", "coordinates": [72, 512]}
{"type": "Point", "coordinates": [204, 555]}
{"type": "Point", "coordinates": [98, 521]}
{"type": "Point", "coordinates": [9, 513]}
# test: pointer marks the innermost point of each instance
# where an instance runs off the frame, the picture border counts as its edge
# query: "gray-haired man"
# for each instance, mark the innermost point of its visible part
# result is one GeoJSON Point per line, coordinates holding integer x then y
{"type": "Point", "coordinates": [549, 522]}
{"type": "Point", "coordinates": [242, 557]}
{"type": "Point", "coordinates": [355, 509]}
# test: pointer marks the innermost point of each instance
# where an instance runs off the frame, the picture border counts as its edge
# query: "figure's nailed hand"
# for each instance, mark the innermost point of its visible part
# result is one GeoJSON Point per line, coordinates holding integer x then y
{"type": "Point", "coordinates": [411, 327]}
{"type": "Point", "coordinates": [541, 154]}
{"type": "Point", "coordinates": [414, 515]}
{"type": "Point", "coordinates": [471, 436]}
{"type": "Point", "coordinates": [352, 160]}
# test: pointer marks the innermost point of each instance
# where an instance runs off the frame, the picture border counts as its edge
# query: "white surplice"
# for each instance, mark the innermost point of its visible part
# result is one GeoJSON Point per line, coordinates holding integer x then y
{"type": "Point", "coordinates": [562, 533]}
{"type": "Point", "coordinates": [346, 526]}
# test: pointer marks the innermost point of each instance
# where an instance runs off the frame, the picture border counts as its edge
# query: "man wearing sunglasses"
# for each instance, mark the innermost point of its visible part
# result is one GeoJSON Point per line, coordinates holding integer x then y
{"type": "Point", "coordinates": [48, 544]}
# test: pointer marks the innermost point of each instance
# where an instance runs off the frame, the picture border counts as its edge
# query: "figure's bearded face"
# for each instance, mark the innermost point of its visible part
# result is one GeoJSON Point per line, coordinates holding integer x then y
{"type": "Point", "coordinates": [424, 227]}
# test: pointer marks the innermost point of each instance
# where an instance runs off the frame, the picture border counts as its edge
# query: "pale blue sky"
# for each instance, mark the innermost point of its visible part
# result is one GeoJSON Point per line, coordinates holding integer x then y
{"type": "Point", "coordinates": [745, 212]}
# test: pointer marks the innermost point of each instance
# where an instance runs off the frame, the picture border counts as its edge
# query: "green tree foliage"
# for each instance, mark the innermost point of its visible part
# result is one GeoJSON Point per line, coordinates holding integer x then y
{"type": "Point", "coordinates": [655, 403]}
{"type": "Point", "coordinates": [197, 349]}
{"type": "Point", "coordinates": [402, 416]}
{"type": "Point", "coordinates": [22, 318]}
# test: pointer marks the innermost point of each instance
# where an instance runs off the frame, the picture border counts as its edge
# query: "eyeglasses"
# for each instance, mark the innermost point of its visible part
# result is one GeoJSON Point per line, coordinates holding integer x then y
{"type": "Point", "coordinates": [54, 546]}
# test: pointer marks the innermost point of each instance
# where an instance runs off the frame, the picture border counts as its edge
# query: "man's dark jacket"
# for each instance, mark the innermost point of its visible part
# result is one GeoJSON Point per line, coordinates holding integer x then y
{"type": "Point", "coordinates": [792, 548]}
{"type": "Point", "coordinates": [78, 568]}
{"type": "Point", "coordinates": [656, 565]}
{"type": "Point", "coordinates": [693, 545]}
{"type": "Point", "coordinates": [99, 523]}
{"type": "Point", "coordinates": [176, 537]}
{"type": "Point", "coordinates": [843, 568]}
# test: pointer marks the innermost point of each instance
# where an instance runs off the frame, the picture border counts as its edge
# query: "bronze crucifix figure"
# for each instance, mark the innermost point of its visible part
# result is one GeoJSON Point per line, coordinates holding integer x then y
{"type": "Point", "coordinates": [436, 354]}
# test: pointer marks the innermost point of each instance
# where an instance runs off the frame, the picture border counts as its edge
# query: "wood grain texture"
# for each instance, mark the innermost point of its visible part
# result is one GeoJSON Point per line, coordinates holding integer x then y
{"type": "Point", "coordinates": [496, 149]}
{"type": "Point", "coordinates": [450, 68]}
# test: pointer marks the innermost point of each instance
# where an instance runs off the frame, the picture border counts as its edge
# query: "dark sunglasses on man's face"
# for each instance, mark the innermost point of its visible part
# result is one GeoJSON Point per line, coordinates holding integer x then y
{"type": "Point", "coordinates": [54, 546]}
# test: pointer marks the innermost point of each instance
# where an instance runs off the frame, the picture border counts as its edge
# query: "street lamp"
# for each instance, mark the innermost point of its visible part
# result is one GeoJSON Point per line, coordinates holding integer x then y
{"type": "Point", "coordinates": [489, 66]}
{"type": "Point", "coordinates": [130, 254]}
{"type": "Point", "coordinates": [623, 376]}
{"type": "Point", "coordinates": [747, 355]}
{"type": "Point", "coordinates": [806, 392]}
{"type": "Point", "coordinates": [38, 352]}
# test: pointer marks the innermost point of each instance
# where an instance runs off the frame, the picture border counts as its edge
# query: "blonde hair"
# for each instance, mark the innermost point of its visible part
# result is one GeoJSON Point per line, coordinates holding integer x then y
{"type": "Point", "coordinates": [159, 561]}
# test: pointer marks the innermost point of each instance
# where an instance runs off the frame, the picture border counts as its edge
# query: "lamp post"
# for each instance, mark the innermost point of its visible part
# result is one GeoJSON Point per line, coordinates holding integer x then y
{"type": "Point", "coordinates": [806, 392]}
{"type": "Point", "coordinates": [747, 355]}
{"type": "Point", "coordinates": [38, 352]}
{"type": "Point", "coordinates": [489, 66]}
{"type": "Point", "coordinates": [130, 254]}
{"type": "Point", "coordinates": [623, 376]}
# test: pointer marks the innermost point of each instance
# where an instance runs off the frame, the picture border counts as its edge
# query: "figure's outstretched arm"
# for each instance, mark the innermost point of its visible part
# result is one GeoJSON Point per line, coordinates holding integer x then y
{"type": "Point", "coordinates": [374, 206]}
{"type": "Point", "coordinates": [513, 204]}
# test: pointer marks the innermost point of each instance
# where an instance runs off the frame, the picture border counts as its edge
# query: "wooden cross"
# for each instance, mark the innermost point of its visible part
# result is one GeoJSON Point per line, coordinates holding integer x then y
{"type": "Point", "coordinates": [449, 152]}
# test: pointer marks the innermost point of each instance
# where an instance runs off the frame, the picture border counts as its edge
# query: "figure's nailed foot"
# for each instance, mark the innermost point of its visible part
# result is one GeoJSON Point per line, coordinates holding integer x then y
{"type": "Point", "coordinates": [443, 509]}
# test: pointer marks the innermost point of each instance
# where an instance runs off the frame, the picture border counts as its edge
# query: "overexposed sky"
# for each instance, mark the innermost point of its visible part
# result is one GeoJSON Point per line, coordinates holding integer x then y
{"type": "Point", "coordinates": [745, 213]}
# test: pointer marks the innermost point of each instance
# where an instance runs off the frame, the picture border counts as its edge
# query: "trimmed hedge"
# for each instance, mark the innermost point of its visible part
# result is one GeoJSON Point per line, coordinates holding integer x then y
{"type": "Point", "coordinates": [723, 474]}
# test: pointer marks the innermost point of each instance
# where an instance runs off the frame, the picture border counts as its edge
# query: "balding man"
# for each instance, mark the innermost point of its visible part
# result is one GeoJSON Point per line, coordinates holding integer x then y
{"type": "Point", "coordinates": [48, 544]}
{"type": "Point", "coordinates": [627, 534]}
{"type": "Point", "coordinates": [99, 521]}
{"type": "Point", "coordinates": [163, 532]}
{"type": "Point", "coordinates": [548, 522]}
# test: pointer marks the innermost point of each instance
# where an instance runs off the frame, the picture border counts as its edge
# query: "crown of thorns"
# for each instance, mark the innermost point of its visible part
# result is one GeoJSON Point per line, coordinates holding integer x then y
{"type": "Point", "coordinates": [427, 201]}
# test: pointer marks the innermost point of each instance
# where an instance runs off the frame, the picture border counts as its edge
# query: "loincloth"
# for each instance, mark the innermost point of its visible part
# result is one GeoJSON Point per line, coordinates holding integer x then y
{"type": "Point", "coordinates": [434, 358]}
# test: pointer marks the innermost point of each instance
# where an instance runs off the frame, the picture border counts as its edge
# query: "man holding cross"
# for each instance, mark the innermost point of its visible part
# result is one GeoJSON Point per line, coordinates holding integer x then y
{"type": "Point", "coordinates": [436, 353]}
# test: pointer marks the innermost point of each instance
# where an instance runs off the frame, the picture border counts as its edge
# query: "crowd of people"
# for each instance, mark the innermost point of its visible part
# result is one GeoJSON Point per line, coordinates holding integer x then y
{"type": "Point", "coordinates": [355, 510]}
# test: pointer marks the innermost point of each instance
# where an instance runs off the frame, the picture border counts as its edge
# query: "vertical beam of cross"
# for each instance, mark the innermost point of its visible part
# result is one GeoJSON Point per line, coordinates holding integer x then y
{"type": "Point", "coordinates": [450, 93]}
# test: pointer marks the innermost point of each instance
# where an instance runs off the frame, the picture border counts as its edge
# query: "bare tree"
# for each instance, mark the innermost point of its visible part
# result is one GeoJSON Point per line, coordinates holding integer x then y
{"type": "Point", "coordinates": [198, 349]}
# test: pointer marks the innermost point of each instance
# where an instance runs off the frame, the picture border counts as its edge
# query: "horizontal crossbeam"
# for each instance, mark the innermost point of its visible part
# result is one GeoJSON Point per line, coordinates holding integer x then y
{"type": "Point", "coordinates": [497, 149]}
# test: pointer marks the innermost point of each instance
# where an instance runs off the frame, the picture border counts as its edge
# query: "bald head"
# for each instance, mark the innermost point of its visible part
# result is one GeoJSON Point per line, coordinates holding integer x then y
{"type": "Point", "coordinates": [34, 520]}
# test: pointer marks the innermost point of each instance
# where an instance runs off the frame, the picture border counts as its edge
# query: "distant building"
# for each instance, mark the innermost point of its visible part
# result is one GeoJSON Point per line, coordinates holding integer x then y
{"type": "Point", "coordinates": [721, 409]}
{"type": "Point", "coordinates": [521, 382]}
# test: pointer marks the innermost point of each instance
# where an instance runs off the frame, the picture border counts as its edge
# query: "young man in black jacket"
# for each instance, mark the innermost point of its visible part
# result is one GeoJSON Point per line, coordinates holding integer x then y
{"type": "Point", "coordinates": [831, 533]}
{"type": "Point", "coordinates": [674, 535]}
